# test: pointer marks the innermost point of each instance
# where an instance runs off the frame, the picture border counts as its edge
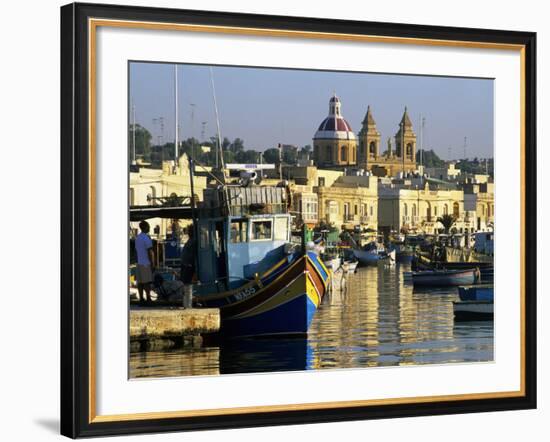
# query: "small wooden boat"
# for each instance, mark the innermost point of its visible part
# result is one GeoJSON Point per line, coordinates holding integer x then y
{"type": "Point", "coordinates": [443, 278]}
{"type": "Point", "coordinates": [486, 268]}
{"type": "Point", "coordinates": [473, 310]}
{"type": "Point", "coordinates": [367, 257]}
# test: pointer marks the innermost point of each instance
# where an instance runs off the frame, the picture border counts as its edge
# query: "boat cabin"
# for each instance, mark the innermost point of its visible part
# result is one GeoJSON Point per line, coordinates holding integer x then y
{"type": "Point", "coordinates": [241, 232]}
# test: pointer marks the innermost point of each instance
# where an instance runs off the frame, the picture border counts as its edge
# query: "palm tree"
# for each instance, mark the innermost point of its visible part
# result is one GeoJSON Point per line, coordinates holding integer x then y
{"type": "Point", "coordinates": [447, 222]}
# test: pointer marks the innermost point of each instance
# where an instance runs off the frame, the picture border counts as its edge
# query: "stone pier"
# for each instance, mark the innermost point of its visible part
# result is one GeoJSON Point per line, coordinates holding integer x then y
{"type": "Point", "coordinates": [172, 323]}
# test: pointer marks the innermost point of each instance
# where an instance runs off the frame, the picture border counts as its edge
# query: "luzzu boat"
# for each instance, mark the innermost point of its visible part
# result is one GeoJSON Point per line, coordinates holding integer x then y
{"type": "Point", "coordinates": [282, 301]}
{"type": "Point", "coordinates": [248, 268]}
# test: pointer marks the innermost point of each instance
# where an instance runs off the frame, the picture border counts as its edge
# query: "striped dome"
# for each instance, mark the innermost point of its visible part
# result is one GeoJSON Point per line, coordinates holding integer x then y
{"type": "Point", "coordinates": [335, 126]}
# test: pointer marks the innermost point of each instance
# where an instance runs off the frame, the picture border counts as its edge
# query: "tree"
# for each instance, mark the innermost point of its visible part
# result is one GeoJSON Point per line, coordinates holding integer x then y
{"type": "Point", "coordinates": [290, 155]}
{"type": "Point", "coordinates": [429, 158]}
{"type": "Point", "coordinates": [447, 221]}
{"type": "Point", "coordinates": [143, 142]}
{"type": "Point", "coordinates": [237, 146]}
{"type": "Point", "coordinates": [272, 156]}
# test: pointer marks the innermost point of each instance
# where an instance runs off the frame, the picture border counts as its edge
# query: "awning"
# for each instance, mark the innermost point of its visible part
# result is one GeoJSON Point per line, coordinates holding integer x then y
{"type": "Point", "coordinates": [139, 213]}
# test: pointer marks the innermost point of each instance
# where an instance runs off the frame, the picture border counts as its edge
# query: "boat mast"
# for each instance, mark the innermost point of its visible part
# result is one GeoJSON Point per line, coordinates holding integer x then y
{"type": "Point", "coordinates": [220, 152]}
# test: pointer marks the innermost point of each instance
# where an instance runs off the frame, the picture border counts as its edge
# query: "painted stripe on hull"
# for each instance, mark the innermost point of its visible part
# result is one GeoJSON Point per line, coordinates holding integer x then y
{"type": "Point", "coordinates": [292, 317]}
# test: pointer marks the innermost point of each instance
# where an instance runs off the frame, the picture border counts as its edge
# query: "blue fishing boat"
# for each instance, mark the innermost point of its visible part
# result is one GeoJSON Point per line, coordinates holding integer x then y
{"type": "Point", "coordinates": [443, 278]}
{"type": "Point", "coordinates": [482, 292]}
{"type": "Point", "coordinates": [248, 267]}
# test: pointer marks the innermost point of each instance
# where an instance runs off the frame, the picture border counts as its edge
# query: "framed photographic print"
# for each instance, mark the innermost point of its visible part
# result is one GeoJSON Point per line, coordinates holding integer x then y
{"type": "Point", "coordinates": [274, 220]}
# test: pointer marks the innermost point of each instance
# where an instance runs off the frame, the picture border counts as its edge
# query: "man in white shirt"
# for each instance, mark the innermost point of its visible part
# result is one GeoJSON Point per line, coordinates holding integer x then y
{"type": "Point", "coordinates": [144, 270]}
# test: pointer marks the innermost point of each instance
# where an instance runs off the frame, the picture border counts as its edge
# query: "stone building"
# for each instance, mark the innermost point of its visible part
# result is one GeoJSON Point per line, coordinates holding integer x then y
{"type": "Point", "coordinates": [406, 208]}
{"type": "Point", "coordinates": [480, 198]}
{"type": "Point", "coordinates": [149, 186]}
{"type": "Point", "coordinates": [335, 143]}
{"type": "Point", "coordinates": [351, 201]}
{"type": "Point", "coordinates": [393, 161]}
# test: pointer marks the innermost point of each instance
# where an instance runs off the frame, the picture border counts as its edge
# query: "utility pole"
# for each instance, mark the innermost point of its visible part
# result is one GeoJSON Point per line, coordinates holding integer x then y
{"type": "Point", "coordinates": [465, 144]}
{"type": "Point", "coordinates": [133, 134]}
{"type": "Point", "coordinates": [422, 123]}
{"type": "Point", "coordinates": [176, 119]}
{"type": "Point", "coordinates": [192, 129]}
{"type": "Point", "coordinates": [203, 131]}
{"type": "Point", "coordinates": [280, 161]}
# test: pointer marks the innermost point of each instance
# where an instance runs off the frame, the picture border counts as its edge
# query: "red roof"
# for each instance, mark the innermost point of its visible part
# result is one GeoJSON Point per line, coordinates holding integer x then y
{"type": "Point", "coordinates": [329, 124]}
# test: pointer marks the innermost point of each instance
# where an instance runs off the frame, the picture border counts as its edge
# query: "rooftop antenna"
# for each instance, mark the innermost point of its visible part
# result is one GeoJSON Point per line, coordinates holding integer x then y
{"type": "Point", "coordinates": [465, 144]}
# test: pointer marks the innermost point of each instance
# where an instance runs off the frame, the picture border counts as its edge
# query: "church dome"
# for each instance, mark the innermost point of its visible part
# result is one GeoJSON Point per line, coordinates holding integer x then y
{"type": "Point", "coordinates": [334, 126]}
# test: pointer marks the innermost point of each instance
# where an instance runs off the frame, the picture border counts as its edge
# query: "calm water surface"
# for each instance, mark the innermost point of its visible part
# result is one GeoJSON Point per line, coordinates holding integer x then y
{"type": "Point", "coordinates": [378, 320]}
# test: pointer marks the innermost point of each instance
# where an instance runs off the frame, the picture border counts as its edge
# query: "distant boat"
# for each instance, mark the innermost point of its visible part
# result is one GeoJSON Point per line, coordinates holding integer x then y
{"type": "Point", "coordinates": [404, 255]}
{"type": "Point", "coordinates": [486, 268]}
{"type": "Point", "coordinates": [473, 310]}
{"type": "Point", "coordinates": [442, 278]}
{"type": "Point", "coordinates": [367, 257]}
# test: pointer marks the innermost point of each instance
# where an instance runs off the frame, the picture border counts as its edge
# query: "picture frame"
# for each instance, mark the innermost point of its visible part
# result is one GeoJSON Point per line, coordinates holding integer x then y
{"type": "Point", "coordinates": [79, 205]}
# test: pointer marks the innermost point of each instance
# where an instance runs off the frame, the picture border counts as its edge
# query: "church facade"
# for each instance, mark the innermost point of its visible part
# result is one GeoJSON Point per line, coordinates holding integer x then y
{"type": "Point", "coordinates": [337, 146]}
{"type": "Point", "coordinates": [392, 161]}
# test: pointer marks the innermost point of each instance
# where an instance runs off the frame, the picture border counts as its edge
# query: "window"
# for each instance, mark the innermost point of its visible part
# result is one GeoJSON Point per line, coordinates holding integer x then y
{"type": "Point", "coordinates": [356, 210]}
{"type": "Point", "coordinates": [238, 230]}
{"type": "Point", "coordinates": [132, 197]}
{"type": "Point", "coordinates": [445, 209]}
{"type": "Point", "coordinates": [372, 148]}
{"type": "Point", "coordinates": [321, 181]}
{"type": "Point", "coordinates": [456, 210]}
{"type": "Point", "coordinates": [281, 229]}
{"type": "Point", "coordinates": [261, 230]}
{"type": "Point", "coordinates": [435, 211]}
{"type": "Point", "coordinates": [414, 210]}
{"type": "Point", "coordinates": [344, 154]}
{"type": "Point", "coordinates": [203, 236]}
{"type": "Point", "coordinates": [372, 210]}
{"type": "Point", "coordinates": [405, 210]}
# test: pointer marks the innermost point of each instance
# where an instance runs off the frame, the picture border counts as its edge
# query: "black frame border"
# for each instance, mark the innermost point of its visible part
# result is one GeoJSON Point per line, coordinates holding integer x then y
{"type": "Point", "coordinates": [75, 220]}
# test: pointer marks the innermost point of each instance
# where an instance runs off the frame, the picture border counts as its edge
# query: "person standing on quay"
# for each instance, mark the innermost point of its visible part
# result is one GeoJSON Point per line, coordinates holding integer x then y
{"type": "Point", "coordinates": [144, 270]}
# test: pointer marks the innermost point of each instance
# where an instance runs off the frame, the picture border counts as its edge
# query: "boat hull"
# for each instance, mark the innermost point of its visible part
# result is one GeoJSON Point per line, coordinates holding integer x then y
{"type": "Point", "coordinates": [476, 293]}
{"type": "Point", "coordinates": [444, 278]}
{"type": "Point", "coordinates": [473, 310]}
{"type": "Point", "coordinates": [366, 258]}
{"type": "Point", "coordinates": [284, 306]}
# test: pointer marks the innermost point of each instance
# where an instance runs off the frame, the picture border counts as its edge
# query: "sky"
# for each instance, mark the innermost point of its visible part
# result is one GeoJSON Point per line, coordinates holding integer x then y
{"type": "Point", "coordinates": [265, 107]}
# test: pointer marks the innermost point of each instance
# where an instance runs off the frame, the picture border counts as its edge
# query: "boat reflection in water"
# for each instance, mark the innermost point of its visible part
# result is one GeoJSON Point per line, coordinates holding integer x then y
{"type": "Point", "coordinates": [377, 320]}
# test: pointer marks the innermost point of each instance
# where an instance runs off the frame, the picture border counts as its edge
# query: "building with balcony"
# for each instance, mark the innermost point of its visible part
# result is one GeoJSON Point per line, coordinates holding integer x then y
{"type": "Point", "coordinates": [350, 202]}
{"type": "Point", "coordinates": [403, 208]}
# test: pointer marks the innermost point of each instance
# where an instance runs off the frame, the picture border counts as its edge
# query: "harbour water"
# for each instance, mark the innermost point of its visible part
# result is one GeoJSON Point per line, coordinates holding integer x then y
{"type": "Point", "coordinates": [377, 320]}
